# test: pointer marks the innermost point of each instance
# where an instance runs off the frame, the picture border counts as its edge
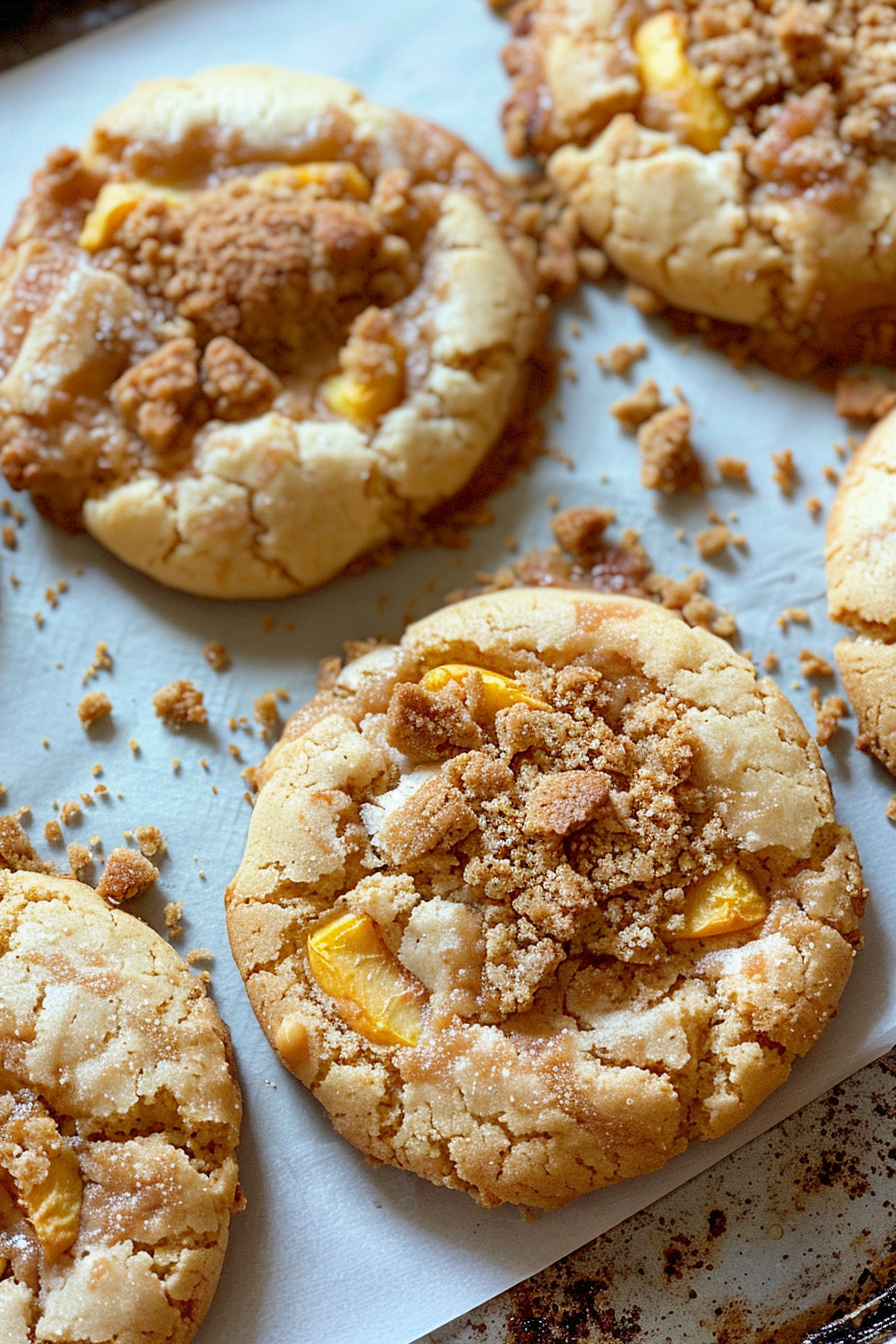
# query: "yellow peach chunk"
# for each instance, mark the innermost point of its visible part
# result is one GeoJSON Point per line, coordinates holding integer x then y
{"type": "Point", "coordinates": [722, 902]}
{"type": "Point", "coordinates": [665, 70]}
{"type": "Point", "coordinates": [113, 205]}
{"type": "Point", "coordinates": [301, 175]}
{"type": "Point", "coordinates": [364, 400]}
{"type": "Point", "coordinates": [500, 691]}
{"type": "Point", "coordinates": [53, 1205]}
{"type": "Point", "coordinates": [373, 992]}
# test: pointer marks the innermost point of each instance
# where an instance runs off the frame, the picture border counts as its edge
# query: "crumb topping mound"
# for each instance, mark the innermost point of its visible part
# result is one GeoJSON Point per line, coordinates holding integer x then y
{"type": "Point", "coordinates": [765, 129]}
{"type": "Point", "coordinates": [256, 326]}
{"type": "Point", "coordinates": [118, 1123]}
{"type": "Point", "coordinates": [543, 893]}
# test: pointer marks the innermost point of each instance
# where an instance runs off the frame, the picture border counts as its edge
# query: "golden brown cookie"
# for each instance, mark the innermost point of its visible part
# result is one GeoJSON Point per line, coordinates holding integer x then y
{"type": "Point", "coordinates": [861, 575]}
{"type": "Point", "coordinates": [739, 160]}
{"type": "Point", "coordinates": [256, 326]}
{"type": "Point", "coordinates": [544, 892]}
{"type": "Point", "coordinates": [119, 1118]}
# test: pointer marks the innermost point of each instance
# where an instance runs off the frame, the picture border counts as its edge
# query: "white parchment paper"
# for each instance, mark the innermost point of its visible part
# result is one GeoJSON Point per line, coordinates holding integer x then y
{"type": "Point", "coordinates": [330, 1250]}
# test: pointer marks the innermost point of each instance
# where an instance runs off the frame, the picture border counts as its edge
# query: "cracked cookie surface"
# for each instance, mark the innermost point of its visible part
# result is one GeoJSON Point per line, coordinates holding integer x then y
{"type": "Point", "coordinates": [256, 326]}
{"type": "Point", "coordinates": [543, 893]}
{"type": "Point", "coordinates": [860, 559]}
{"type": "Point", "coordinates": [738, 159]}
{"type": "Point", "coordinates": [119, 1118]}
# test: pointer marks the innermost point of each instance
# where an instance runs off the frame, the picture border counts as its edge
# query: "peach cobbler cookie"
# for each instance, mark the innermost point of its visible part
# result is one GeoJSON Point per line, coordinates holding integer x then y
{"type": "Point", "coordinates": [861, 575]}
{"type": "Point", "coordinates": [543, 893]}
{"type": "Point", "coordinates": [737, 158]}
{"type": "Point", "coordinates": [119, 1118]}
{"type": "Point", "coordinates": [255, 326]}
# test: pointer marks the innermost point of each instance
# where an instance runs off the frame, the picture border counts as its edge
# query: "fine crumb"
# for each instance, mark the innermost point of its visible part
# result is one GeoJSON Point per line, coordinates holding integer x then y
{"type": "Point", "coordinates": [216, 655]}
{"type": "Point", "coordinates": [646, 302]}
{"type": "Point", "coordinates": [891, 808]}
{"type": "Point", "coordinates": [134, 746]}
{"type": "Point", "coordinates": [828, 713]}
{"type": "Point", "coordinates": [637, 407]}
{"type": "Point", "coordinates": [180, 702]}
{"type": "Point", "coordinates": [96, 770]}
{"type": "Point", "coordinates": [10, 541]}
{"type": "Point", "coordinates": [127, 874]}
{"type": "Point", "coordinates": [102, 662]}
{"type": "Point", "coordinates": [79, 857]}
{"type": "Point", "coordinates": [813, 665]}
{"type": "Point", "coordinates": [2, 792]}
{"type": "Point", "coordinates": [620, 357]}
{"type": "Point", "coordinates": [100, 790]}
{"type": "Point", "coordinates": [268, 623]}
{"type": "Point", "coordinates": [785, 472]}
{"type": "Point", "coordinates": [814, 506]}
{"type": "Point", "coordinates": [863, 398]}
{"type": "Point", "coordinates": [831, 474]}
{"type": "Point", "coordinates": [771, 662]}
{"type": "Point", "coordinates": [688, 597]}
{"type": "Point", "coordinates": [734, 469]}
{"type": "Point", "coordinates": [87, 799]}
{"type": "Point", "coordinates": [92, 707]}
{"type": "Point", "coordinates": [668, 460]}
{"type": "Point", "coordinates": [796, 615]}
{"type": "Point", "coordinates": [70, 812]}
{"type": "Point", "coordinates": [53, 832]}
{"type": "Point", "coordinates": [173, 914]}
{"type": "Point", "coordinates": [200, 954]}
{"type": "Point", "coordinates": [716, 539]}
{"type": "Point", "coordinates": [150, 839]}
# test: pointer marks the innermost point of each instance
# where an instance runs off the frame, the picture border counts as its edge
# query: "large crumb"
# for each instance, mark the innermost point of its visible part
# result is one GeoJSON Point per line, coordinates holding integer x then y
{"type": "Point", "coordinates": [53, 832]}
{"type": "Point", "coordinates": [266, 711]}
{"type": "Point", "coordinates": [715, 540]}
{"type": "Point", "coordinates": [620, 357]}
{"type": "Point", "coordinates": [785, 472]}
{"type": "Point", "coordinates": [813, 665]}
{"type": "Point", "coordinates": [180, 702]}
{"type": "Point", "coordinates": [862, 398]}
{"type": "Point", "coordinates": [668, 460]}
{"type": "Point", "coordinates": [127, 874]}
{"type": "Point", "coordinates": [733, 468]}
{"type": "Point", "coordinates": [16, 849]}
{"type": "Point", "coordinates": [637, 407]}
{"type": "Point", "coordinates": [174, 913]}
{"type": "Point", "coordinates": [92, 707]}
{"type": "Point", "coordinates": [102, 661]}
{"type": "Point", "coordinates": [79, 857]}
{"type": "Point", "coordinates": [828, 713]}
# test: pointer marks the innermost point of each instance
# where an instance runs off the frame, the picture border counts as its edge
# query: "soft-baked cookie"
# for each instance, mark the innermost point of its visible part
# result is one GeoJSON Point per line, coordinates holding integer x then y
{"type": "Point", "coordinates": [738, 159]}
{"type": "Point", "coordinates": [860, 556]}
{"type": "Point", "coordinates": [541, 894]}
{"type": "Point", "coordinates": [255, 326]}
{"type": "Point", "coordinates": [119, 1118]}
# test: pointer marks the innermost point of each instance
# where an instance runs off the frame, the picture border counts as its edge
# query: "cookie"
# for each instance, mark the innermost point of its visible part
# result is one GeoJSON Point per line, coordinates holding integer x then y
{"type": "Point", "coordinates": [257, 326]}
{"type": "Point", "coordinates": [119, 1118]}
{"type": "Point", "coordinates": [544, 892]}
{"type": "Point", "coordinates": [737, 160]}
{"type": "Point", "coordinates": [860, 557]}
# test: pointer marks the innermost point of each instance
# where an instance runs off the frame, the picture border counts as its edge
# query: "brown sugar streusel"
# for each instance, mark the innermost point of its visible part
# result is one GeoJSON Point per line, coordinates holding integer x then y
{"type": "Point", "coordinates": [126, 875]}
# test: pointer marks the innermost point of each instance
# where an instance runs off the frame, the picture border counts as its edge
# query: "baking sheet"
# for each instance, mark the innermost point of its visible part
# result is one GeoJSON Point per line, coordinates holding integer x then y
{"type": "Point", "coordinates": [329, 1249]}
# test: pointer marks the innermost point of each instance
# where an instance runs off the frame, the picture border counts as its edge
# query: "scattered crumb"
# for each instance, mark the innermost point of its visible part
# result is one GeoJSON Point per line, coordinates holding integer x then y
{"type": "Point", "coordinates": [828, 713]}
{"type": "Point", "coordinates": [644, 300]}
{"type": "Point", "coordinates": [10, 540]}
{"type": "Point", "coordinates": [79, 857]}
{"type": "Point", "coordinates": [39, 619]}
{"type": "Point", "coordinates": [96, 770]}
{"type": "Point", "coordinates": [862, 398]}
{"type": "Point", "coordinates": [180, 702]}
{"type": "Point", "coordinates": [734, 468]}
{"type": "Point", "coordinates": [813, 665]}
{"type": "Point", "coordinates": [797, 615]}
{"type": "Point", "coordinates": [150, 839]}
{"type": "Point", "coordinates": [127, 874]}
{"type": "Point", "coordinates": [580, 530]}
{"type": "Point", "coordinates": [70, 812]}
{"type": "Point", "coordinates": [891, 808]}
{"type": "Point", "coordinates": [268, 623]}
{"type": "Point", "coordinates": [785, 473]}
{"type": "Point", "coordinates": [592, 263]}
{"type": "Point", "coordinates": [668, 460]}
{"type": "Point", "coordinates": [174, 913]}
{"type": "Point", "coordinates": [100, 790]}
{"type": "Point", "coordinates": [53, 832]}
{"type": "Point", "coordinates": [134, 746]}
{"type": "Point", "coordinates": [638, 406]}
{"type": "Point", "coordinates": [2, 792]}
{"type": "Point", "coordinates": [92, 707]}
{"type": "Point", "coordinates": [688, 597]}
{"type": "Point", "coordinates": [102, 662]}
{"type": "Point", "coordinates": [831, 474]}
{"type": "Point", "coordinates": [328, 670]}
{"type": "Point", "coordinates": [45, 742]}
{"type": "Point", "coordinates": [620, 357]}
{"type": "Point", "coordinates": [87, 799]}
{"type": "Point", "coordinates": [771, 662]}
{"type": "Point", "coordinates": [814, 505]}
{"type": "Point", "coordinates": [716, 539]}
{"type": "Point", "coordinates": [216, 656]}
{"type": "Point", "coordinates": [234, 751]}
{"type": "Point", "coordinates": [200, 954]}
{"type": "Point", "coordinates": [266, 712]}
{"type": "Point", "coordinates": [175, 764]}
